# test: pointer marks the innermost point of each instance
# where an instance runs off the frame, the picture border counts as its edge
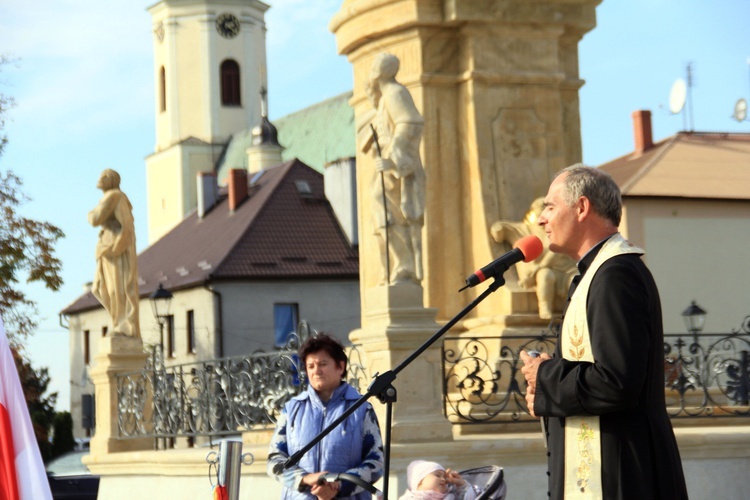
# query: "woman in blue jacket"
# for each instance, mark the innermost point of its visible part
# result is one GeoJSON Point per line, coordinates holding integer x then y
{"type": "Point", "coordinates": [354, 447]}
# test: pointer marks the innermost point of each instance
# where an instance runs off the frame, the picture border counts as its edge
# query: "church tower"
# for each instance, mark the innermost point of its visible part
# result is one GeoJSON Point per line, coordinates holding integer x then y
{"type": "Point", "coordinates": [209, 67]}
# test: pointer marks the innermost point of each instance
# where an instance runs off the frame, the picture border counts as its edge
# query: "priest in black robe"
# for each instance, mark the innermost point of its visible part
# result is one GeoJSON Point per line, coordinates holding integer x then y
{"type": "Point", "coordinates": [602, 394]}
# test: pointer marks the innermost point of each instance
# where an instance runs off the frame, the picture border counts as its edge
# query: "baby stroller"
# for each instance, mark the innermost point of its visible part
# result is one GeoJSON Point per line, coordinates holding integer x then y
{"type": "Point", "coordinates": [488, 481]}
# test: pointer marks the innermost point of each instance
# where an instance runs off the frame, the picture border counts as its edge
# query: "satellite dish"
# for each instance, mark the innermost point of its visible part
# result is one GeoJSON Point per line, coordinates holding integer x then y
{"type": "Point", "coordinates": [677, 96]}
{"type": "Point", "coordinates": [740, 110]}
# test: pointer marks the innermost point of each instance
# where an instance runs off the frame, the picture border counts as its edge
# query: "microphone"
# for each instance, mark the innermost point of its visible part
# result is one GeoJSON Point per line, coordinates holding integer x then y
{"type": "Point", "coordinates": [526, 249]}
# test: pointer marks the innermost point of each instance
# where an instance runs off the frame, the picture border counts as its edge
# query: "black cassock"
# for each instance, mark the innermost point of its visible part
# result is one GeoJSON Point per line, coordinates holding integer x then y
{"type": "Point", "coordinates": [624, 387]}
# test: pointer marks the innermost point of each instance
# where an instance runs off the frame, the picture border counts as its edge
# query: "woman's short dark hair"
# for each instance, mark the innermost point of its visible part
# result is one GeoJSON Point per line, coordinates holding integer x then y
{"type": "Point", "coordinates": [323, 342]}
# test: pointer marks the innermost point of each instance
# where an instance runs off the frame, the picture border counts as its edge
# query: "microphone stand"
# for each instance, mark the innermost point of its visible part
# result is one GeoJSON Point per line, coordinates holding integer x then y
{"type": "Point", "coordinates": [382, 387]}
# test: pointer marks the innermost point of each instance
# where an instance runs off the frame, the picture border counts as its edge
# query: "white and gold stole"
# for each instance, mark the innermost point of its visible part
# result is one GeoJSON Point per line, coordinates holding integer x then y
{"type": "Point", "coordinates": [583, 457]}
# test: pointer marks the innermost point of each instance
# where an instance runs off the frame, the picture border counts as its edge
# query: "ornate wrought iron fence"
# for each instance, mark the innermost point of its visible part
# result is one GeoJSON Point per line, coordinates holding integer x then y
{"type": "Point", "coordinates": [707, 375]}
{"type": "Point", "coordinates": [216, 397]}
{"type": "Point", "coordinates": [483, 380]}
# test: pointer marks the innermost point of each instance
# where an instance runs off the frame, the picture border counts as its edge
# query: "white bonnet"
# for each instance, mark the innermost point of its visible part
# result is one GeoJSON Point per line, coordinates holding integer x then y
{"type": "Point", "coordinates": [417, 471]}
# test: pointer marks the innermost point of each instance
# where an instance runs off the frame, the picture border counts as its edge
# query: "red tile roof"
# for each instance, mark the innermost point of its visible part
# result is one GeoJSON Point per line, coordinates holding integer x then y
{"type": "Point", "coordinates": [688, 165]}
{"type": "Point", "coordinates": [279, 232]}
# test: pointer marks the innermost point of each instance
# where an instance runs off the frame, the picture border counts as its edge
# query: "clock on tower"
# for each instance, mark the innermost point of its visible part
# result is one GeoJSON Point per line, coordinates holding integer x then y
{"type": "Point", "coordinates": [228, 25]}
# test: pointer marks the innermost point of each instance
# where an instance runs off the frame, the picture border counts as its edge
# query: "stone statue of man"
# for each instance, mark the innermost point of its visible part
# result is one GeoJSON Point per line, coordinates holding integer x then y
{"type": "Point", "coordinates": [116, 279]}
{"type": "Point", "coordinates": [550, 274]}
{"type": "Point", "coordinates": [399, 175]}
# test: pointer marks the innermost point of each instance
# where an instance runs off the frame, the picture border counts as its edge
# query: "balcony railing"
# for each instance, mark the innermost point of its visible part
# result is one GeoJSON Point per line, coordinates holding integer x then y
{"type": "Point", "coordinates": [483, 380]}
{"type": "Point", "coordinates": [706, 375]}
{"type": "Point", "coordinates": [216, 397]}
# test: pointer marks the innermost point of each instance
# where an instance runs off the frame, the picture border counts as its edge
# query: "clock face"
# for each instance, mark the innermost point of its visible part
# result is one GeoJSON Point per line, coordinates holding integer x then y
{"type": "Point", "coordinates": [227, 25]}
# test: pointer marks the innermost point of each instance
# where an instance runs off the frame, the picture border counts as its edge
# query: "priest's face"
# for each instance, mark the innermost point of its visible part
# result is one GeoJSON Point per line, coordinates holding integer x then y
{"type": "Point", "coordinates": [560, 221]}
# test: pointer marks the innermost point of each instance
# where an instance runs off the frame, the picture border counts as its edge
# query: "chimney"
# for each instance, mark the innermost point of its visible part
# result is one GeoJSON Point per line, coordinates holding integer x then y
{"type": "Point", "coordinates": [207, 192]}
{"type": "Point", "coordinates": [642, 130]}
{"type": "Point", "coordinates": [340, 184]}
{"type": "Point", "coordinates": [237, 187]}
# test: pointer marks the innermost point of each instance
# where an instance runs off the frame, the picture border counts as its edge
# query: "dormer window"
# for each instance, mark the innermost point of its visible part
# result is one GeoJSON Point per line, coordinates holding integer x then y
{"type": "Point", "coordinates": [303, 188]}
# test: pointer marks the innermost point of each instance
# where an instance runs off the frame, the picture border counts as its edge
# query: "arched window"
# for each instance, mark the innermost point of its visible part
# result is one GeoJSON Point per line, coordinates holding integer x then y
{"type": "Point", "coordinates": [230, 83]}
{"type": "Point", "coordinates": [162, 89]}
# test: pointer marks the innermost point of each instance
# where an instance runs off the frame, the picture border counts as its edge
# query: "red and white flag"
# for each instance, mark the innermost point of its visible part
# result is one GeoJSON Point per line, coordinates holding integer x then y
{"type": "Point", "coordinates": [22, 474]}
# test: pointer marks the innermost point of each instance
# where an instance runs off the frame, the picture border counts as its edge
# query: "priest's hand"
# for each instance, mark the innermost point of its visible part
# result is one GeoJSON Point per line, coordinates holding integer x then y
{"type": "Point", "coordinates": [530, 401]}
{"type": "Point", "coordinates": [529, 369]}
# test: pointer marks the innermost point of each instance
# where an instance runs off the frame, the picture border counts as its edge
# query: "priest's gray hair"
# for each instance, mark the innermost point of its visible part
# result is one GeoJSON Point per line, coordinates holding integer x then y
{"type": "Point", "coordinates": [596, 185]}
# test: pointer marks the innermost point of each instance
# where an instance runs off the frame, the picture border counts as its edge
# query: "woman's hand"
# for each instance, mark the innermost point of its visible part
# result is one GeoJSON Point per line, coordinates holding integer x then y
{"type": "Point", "coordinates": [311, 480]}
{"type": "Point", "coordinates": [326, 490]}
{"type": "Point", "coordinates": [322, 489]}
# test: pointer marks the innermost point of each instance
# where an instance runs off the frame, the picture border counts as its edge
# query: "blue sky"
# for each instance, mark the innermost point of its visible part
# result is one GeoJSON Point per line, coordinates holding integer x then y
{"type": "Point", "coordinates": [83, 84]}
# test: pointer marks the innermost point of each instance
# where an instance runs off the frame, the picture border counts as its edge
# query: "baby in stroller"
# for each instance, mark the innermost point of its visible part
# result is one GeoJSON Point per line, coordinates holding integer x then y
{"type": "Point", "coordinates": [431, 481]}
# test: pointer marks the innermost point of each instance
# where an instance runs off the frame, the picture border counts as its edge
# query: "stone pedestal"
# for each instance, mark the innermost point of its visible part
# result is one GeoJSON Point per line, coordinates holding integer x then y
{"type": "Point", "coordinates": [395, 324]}
{"type": "Point", "coordinates": [117, 355]}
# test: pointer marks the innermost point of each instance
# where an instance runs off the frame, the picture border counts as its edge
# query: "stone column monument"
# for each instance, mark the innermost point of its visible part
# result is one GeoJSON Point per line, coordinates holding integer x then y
{"type": "Point", "coordinates": [496, 84]}
{"type": "Point", "coordinates": [116, 287]}
{"type": "Point", "coordinates": [115, 282]}
{"type": "Point", "coordinates": [397, 322]}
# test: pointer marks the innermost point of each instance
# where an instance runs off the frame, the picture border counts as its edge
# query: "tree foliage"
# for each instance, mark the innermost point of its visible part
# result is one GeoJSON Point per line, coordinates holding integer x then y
{"type": "Point", "coordinates": [41, 406]}
{"type": "Point", "coordinates": [62, 434]}
{"type": "Point", "coordinates": [27, 247]}
{"type": "Point", "coordinates": [5, 104]}
{"type": "Point", "coordinates": [27, 252]}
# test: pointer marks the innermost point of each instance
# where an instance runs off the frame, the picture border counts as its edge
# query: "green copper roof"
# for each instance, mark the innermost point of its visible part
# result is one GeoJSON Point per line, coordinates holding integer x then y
{"type": "Point", "coordinates": [319, 134]}
{"type": "Point", "coordinates": [316, 135]}
{"type": "Point", "coordinates": [235, 155]}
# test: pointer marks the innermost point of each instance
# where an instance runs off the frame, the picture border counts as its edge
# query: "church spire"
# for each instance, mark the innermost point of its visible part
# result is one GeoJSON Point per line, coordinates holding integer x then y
{"type": "Point", "coordinates": [266, 150]}
{"type": "Point", "coordinates": [265, 133]}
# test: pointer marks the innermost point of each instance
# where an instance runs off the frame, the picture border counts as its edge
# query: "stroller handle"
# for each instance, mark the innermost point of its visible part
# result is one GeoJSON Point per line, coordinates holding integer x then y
{"type": "Point", "coordinates": [332, 477]}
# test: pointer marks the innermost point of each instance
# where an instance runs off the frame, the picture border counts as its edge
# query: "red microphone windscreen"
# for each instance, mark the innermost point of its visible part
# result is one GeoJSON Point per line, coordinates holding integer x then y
{"type": "Point", "coordinates": [530, 246]}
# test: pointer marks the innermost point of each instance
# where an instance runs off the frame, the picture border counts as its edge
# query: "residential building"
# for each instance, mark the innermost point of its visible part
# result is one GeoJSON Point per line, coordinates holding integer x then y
{"type": "Point", "coordinates": [686, 201]}
{"type": "Point", "coordinates": [241, 232]}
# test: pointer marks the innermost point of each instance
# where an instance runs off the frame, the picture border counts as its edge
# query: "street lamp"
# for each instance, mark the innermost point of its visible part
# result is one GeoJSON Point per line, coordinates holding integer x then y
{"type": "Point", "coordinates": [161, 299]}
{"type": "Point", "coordinates": [695, 318]}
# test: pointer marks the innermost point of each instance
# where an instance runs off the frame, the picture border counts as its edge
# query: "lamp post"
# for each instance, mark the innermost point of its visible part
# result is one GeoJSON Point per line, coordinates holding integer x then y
{"type": "Point", "coordinates": [695, 318]}
{"type": "Point", "coordinates": [161, 299]}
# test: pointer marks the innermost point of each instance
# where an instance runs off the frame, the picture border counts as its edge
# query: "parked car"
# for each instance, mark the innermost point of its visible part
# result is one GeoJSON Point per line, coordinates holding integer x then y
{"type": "Point", "coordinates": [70, 479]}
{"type": "Point", "coordinates": [82, 444]}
